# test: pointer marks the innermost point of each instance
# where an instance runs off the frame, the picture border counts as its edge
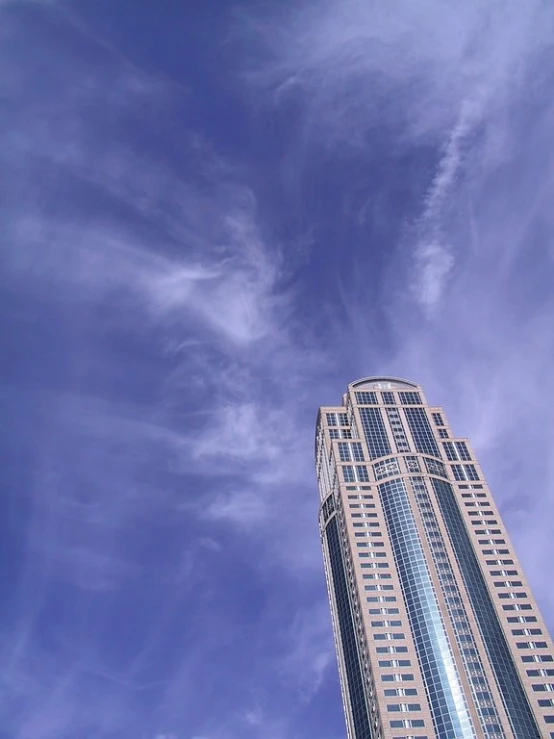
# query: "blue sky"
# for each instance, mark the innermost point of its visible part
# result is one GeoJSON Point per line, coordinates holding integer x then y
{"type": "Point", "coordinates": [214, 216]}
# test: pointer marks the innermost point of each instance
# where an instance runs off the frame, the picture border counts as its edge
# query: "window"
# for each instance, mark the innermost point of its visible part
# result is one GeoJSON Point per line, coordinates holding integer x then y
{"type": "Point", "coordinates": [511, 596]}
{"type": "Point", "coordinates": [412, 464]}
{"type": "Point", "coordinates": [388, 398]}
{"type": "Point", "coordinates": [366, 398]}
{"type": "Point", "coordinates": [394, 663]}
{"type": "Point", "coordinates": [501, 658]}
{"type": "Point", "coordinates": [390, 692]}
{"type": "Point", "coordinates": [386, 468]}
{"type": "Point", "coordinates": [340, 433]}
{"type": "Point", "coordinates": [404, 707]}
{"type": "Point", "coordinates": [409, 398]}
{"type": "Point", "coordinates": [389, 636]}
{"type": "Point", "coordinates": [375, 433]}
{"type": "Point", "coordinates": [422, 433]}
{"type": "Point", "coordinates": [537, 658]}
{"type": "Point", "coordinates": [438, 666]}
{"type": "Point", "coordinates": [462, 450]}
{"type": "Point", "coordinates": [456, 450]}
{"type": "Point", "coordinates": [503, 573]}
{"type": "Point", "coordinates": [397, 678]}
{"type": "Point", "coordinates": [397, 428]}
{"type": "Point", "coordinates": [350, 451]}
{"type": "Point", "coordinates": [407, 723]}
{"type": "Point", "coordinates": [376, 624]}
{"type": "Point", "coordinates": [434, 467]}
{"type": "Point", "coordinates": [355, 474]}
{"type": "Point", "coordinates": [465, 472]}
{"type": "Point", "coordinates": [377, 575]}
{"type": "Point", "coordinates": [348, 473]}
{"type": "Point", "coordinates": [386, 611]}
{"type": "Point", "coordinates": [344, 452]}
{"type": "Point", "coordinates": [532, 645]}
{"type": "Point", "coordinates": [337, 419]}
{"type": "Point", "coordinates": [331, 419]}
{"type": "Point", "coordinates": [443, 433]}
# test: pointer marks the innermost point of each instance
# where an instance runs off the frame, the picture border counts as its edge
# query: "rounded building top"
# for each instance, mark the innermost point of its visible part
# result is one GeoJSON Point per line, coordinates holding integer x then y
{"type": "Point", "coordinates": [382, 383]}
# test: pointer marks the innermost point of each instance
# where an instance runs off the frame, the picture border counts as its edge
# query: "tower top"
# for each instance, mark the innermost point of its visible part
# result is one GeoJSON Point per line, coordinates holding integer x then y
{"type": "Point", "coordinates": [382, 383]}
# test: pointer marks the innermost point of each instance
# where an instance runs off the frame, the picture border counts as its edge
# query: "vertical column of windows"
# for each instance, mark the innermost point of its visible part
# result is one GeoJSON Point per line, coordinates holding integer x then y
{"type": "Point", "coordinates": [449, 709]}
{"type": "Point", "coordinates": [438, 419]}
{"type": "Point", "coordinates": [398, 432]}
{"type": "Point", "coordinates": [502, 662]}
{"type": "Point", "coordinates": [374, 432]}
{"type": "Point", "coordinates": [422, 433]}
{"type": "Point", "coordinates": [479, 686]}
{"type": "Point", "coordinates": [356, 692]}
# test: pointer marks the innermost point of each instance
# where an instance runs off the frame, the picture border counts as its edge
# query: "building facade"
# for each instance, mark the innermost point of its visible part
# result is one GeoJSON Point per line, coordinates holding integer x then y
{"type": "Point", "coordinates": [437, 633]}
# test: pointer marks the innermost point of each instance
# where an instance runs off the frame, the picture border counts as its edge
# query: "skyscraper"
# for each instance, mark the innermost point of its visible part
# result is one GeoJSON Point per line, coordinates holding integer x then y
{"type": "Point", "coordinates": [437, 633]}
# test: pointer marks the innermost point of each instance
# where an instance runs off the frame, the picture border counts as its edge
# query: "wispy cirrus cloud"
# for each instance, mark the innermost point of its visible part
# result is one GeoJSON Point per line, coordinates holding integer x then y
{"type": "Point", "coordinates": [158, 417]}
{"type": "Point", "coordinates": [454, 100]}
{"type": "Point", "coordinates": [437, 76]}
{"type": "Point", "coordinates": [173, 345]}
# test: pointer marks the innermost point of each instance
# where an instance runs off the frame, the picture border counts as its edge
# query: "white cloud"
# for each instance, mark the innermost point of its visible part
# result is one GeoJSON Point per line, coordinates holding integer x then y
{"type": "Point", "coordinates": [436, 73]}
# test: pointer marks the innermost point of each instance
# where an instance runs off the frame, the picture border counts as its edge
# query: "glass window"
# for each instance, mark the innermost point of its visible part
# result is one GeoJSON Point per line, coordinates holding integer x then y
{"type": "Point", "coordinates": [348, 473]}
{"type": "Point", "coordinates": [465, 472]}
{"type": "Point", "coordinates": [366, 398]}
{"type": "Point", "coordinates": [421, 430]}
{"type": "Point", "coordinates": [386, 468]}
{"type": "Point", "coordinates": [410, 398]}
{"type": "Point", "coordinates": [359, 704]}
{"type": "Point", "coordinates": [388, 398]}
{"type": "Point", "coordinates": [434, 467]}
{"type": "Point", "coordinates": [430, 636]}
{"type": "Point", "coordinates": [397, 428]}
{"type": "Point", "coordinates": [437, 419]}
{"type": "Point", "coordinates": [331, 419]}
{"type": "Point", "coordinates": [412, 464]}
{"type": "Point", "coordinates": [500, 655]}
{"type": "Point", "coordinates": [375, 433]}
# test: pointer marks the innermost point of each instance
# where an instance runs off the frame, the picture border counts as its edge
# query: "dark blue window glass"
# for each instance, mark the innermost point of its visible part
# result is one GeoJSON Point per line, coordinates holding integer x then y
{"type": "Point", "coordinates": [512, 692]}
{"type": "Point", "coordinates": [354, 674]}
{"type": "Point", "coordinates": [375, 432]}
{"type": "Point", "coordinates": [422, 433]}
{"type": "Point", "coordinates": [450, 713]}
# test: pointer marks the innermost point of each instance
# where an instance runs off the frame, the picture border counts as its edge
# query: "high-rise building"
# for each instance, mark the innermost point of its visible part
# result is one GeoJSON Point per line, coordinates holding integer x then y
{"type": "Point", "coordinates": [437, 633]}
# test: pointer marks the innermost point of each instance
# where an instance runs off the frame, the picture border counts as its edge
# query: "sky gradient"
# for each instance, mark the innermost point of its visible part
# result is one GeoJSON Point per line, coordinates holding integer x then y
{"type": "Point", "coordinates": [214, 216]}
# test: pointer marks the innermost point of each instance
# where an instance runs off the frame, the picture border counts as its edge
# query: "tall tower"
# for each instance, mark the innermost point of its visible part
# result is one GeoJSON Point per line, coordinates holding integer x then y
{"type": "Point", "coordinates": [437, 633]}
